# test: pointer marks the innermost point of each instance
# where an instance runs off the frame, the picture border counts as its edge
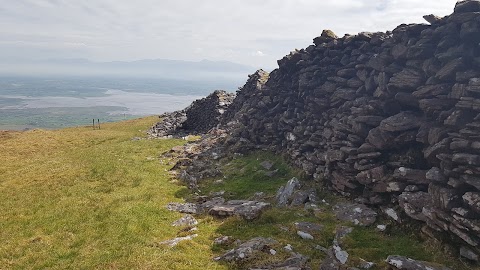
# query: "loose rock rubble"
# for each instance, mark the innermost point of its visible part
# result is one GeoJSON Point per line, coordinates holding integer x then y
{"type": "Point", "coordinates": [217, 207]}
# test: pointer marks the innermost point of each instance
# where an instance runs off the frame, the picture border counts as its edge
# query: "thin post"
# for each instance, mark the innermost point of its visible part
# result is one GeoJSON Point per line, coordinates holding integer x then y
{"type": "Point", "coordinates": [93, 124]}
{"type": "Point", "coordinates": [98, 122]}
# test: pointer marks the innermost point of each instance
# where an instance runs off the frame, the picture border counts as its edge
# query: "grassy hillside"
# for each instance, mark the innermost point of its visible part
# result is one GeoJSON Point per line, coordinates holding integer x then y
{"type": "Point", "coordinates": [79, 198]}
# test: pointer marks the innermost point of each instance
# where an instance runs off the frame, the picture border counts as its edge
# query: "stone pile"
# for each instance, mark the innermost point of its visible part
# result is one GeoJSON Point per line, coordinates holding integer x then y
{"type": "Point", "coordinates": [198, 118]}
{"type": "Point", "coordinates": [392, 118]}
{"type": "Point", "coordinates": [204, 114]}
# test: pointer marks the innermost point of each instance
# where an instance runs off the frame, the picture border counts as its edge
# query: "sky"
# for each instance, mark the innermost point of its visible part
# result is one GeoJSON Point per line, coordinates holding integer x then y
{"type": "Point", "coordinates": [254, 33]}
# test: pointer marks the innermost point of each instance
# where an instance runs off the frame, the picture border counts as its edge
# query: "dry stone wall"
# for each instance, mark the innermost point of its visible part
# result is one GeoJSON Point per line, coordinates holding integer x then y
{"type": "Point", "coordinates": [391, 118]}
{"type": "Point", "coordinates": [201, 116]}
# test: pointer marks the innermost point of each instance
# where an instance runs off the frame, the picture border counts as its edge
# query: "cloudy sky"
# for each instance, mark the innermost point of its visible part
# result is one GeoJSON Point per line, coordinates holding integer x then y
{"type": "Point", "coordinates": [256, 33]}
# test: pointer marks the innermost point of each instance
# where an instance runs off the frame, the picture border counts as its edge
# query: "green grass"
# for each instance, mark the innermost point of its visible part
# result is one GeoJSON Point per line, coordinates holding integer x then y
{"type": "Point", "coordinates": [83, 199]}
{"type": "Point", "coordinates": [79, 198]}
{"type": "Point", "coordinates": [243, 176]}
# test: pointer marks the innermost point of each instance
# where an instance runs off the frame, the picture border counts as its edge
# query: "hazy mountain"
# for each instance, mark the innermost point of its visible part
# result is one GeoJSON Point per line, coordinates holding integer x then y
{"type": "Point", "coordinates": [148, 68]}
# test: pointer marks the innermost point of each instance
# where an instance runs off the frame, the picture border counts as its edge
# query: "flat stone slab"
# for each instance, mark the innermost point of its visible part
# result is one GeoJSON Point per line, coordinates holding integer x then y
{"type": "Point", "coordinates": [175, 241]}
{"type": "Point", "coordinates": [358, 214]}
{"type": "Point", "coordinates": [405, 263]}
{"type": "Point", "coordinates": [248, 210]}
{"type": "Point", "coordinates": [187, 208]}
{"type": "Point", "coordinates": [400, 122]}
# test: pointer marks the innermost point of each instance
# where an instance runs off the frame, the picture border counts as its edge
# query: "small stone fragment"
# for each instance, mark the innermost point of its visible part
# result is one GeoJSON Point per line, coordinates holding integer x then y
{"type": "Point", "coordinates": [305, 235]}
{"type": "Point", "coordinates": [382, 227]}
{"type": "Point", "coordinates": [186, 220]}
{"type": "Point", "coordinates": [175, 241]}
{"type": "Point", "coordinates": [341, 255]}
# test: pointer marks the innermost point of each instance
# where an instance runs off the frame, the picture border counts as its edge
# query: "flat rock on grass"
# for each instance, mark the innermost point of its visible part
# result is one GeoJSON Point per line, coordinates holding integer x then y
{"type": "Point", "coordinates": [186, 220]}
{"type": "Point", "coordinates": [175, 241]}
{"type": "Point", "coordinates": [405, 263]}
{"type": "Point", "coordinates": [248, 249]}
{"type": "Point", "coordinates": [358, 214]}
{"type": "Point", "coordinates": [248, 210]}
{"type": "Point", "coordinates": [187, 208]}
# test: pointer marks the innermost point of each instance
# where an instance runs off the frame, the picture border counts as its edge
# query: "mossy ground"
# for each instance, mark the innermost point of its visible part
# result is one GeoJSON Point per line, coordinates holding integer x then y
{"type": "Point", "coordinates": [243, 176]}
{"type": "Point", "coordinates": [79, 198]}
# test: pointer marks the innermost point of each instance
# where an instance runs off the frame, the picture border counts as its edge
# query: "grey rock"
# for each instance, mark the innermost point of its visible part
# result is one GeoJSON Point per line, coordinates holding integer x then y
{"type": "Point", "coordinates": [176, 241]}
{"type": "Point", "coordinates": [432, 19]}
{"type": "Point", "coordinates": [299, 198]}
{"type": "Point", "coordinates": [413, 203]}
{"type": "Point", "coordinates": [449, 71]}
{"type": "Point", "coordinates": [223, 240]}
{"type": "Point", "coordinates": [472, 199]}
{"type": "Point", "coordinates": [305, 235]}
{"type": "Point", "coordinates": [247, 250]}
{"type": "Point", "coordinates": [400, 122]}
{"type": "Point", "coordinates": [285, 192]}
{"type": "Point", "coordinates": [340, 254]}
{"type": "Point", "coordinates": [358, 214]}
{"type": "Point", "coordinates": [411, 175]}
{"type": "Point", "coordinates": [407, 79]}
{"type": "Point", "coordinates": [187, 208]}
{"type": "Point", "coordinates": [186, 220]}
{"type": "Point", "coordinates": [444, 198]}
{"type": "Point", "coordinates": [436, 175]}
{"type": "Point", "coordinates": [467, 6]}
{"type": "Point", "coordinates": [469, 254]}
{"type": "Point", "coordinates": [330, 262]}
{"type": "Point", "coordinates": [248, 210]}
{"type": "Point", "coordinates": [405, 263]}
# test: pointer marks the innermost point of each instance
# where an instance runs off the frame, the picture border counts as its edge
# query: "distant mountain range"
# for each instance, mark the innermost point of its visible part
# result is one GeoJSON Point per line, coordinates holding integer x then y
{"type": "Point", "coordinates": [148, 68]}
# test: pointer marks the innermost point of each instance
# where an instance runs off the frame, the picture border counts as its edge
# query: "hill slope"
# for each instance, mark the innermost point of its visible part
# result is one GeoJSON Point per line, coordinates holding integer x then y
{"type": "Point", "coordinates": [81, 199]}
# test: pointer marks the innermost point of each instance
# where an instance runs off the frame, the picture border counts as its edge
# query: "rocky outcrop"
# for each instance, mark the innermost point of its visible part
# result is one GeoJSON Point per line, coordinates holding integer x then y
{"type": "Point", "coordinates": [198, 118]}
{"type": "Point", "coordinates": [391, 118]}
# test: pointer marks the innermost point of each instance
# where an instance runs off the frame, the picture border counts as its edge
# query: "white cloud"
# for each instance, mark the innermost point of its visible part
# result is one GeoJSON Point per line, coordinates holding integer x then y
{"type": "Point", "coordinates": [175, 29]}
{"type": "Point", "coordinates": [259, 53]}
